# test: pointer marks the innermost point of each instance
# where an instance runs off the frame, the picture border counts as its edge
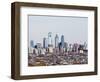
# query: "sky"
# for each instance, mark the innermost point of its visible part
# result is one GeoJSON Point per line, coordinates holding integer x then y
{"type": "Point", "coordinates": [74, 29]}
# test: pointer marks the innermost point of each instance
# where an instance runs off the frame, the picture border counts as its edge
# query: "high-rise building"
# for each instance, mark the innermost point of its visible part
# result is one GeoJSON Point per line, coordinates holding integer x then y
{"type": "Point", "coordinates": [38, 45]}
{"type": "Point", "coordinates": [56, 41]}
{"type": "Point", "coordinates": [60, 45]}
{"type": "Point", "coordinates": [61, 49]}
{"type": "Point", "coordinates": [45, 43]}
{"type": "Point", "coordinates": [49, 39]}
{"type": "Point", "coordinates": [75, 47]}
{"type": "Point", "coordinates": [32, 43]}
{"type": "Point", "coordinates": [66, 46]}
{"type": "Point", "coordinates": [81, 48]}
{"type": "Point", "coordinates": [62, 41]}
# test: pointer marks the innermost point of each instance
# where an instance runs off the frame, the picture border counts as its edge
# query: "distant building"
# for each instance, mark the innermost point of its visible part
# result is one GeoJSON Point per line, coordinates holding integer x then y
{"type": "Point", "coordinates": [36, 51]}
{"type": "Point", "coordinates": [38, 45]}
{"type": "Point", "coordinates": [60, 46]}
{"type": "Point", "coordinates": [43, 51]}
{"type": "Point", "coordinates": [45, 43]}
{"type": "Point", "coordinates": [70, 47]}
{"type": "Point", "coordinates": [50, 39]}
{"type": "Point", "coordinates": [50, 49]}
{"type": "Point", "coordinates": [61, 49]}
{"type": "Point", "coordinates": [30, 50]}
{"type": "Point", "coordinates": [32, 43]}
{"type": "Point", "coordinates": [75, 47]}
{"type": "Point", "coordinates": [66, 46]}
{"type": "Point", "coordinates": [81, 48]}
{"type": "Point", "coordinates": [39, 51]}
{"type": "Point", "coordinates": [85, 46]}
{"type": "Point", "coordinates": [56, 50]}
{"type": "Point", "coordinates": [62, 41]}
{"type": "Point", "coordinates": [56, 41]}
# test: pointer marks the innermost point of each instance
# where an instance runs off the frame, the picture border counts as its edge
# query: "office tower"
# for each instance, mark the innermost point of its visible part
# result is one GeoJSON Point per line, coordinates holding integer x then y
{"type": "Point", "coordinates": [32, 43]}
{"type": "Point", "coordinates": [66, 46]}
{"type": "Point", "coordinates": [81, 48]}
{"type": "Point", "coordinates": [75, 47]}
{"type": "Point", "coordinates": [62, 41]}
{"type": "Point", "coordinates": [31, 46]}
{"type": "Point", "coordinates": [38, 45]}
{"type": "Point", "coordinates": [60, 45]}
{"type": "Point", "coordinates": [50, 39]}
{"type": "Point", "coordinates": [56, 41]}
{"type": "Point", "coordinates": [45, 43]}
{"type": "Point", "coordinates": [61, 49]}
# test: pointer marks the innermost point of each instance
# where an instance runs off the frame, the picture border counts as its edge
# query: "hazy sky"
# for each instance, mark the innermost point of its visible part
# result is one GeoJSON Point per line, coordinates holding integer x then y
{"type": "Point", "coordinates": [74, 29]}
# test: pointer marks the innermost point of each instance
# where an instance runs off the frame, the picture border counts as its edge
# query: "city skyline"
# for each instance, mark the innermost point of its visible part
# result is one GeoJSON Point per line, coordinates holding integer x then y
{"type": "Point", "coordinates": [62, 53]}
{"type": "Point", "coordinates": [49, 41]}
{"type": "Point", "coordinates": [74, 29]}
{"type": "Point", "coordinates": [53, 42]}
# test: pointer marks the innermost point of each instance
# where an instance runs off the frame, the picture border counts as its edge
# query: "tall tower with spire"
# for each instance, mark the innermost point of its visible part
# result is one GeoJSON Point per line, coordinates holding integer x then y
{"type": "Point", "coordinates": [50, 39]}
{"type": "Point", "coordinates": [56, 41]}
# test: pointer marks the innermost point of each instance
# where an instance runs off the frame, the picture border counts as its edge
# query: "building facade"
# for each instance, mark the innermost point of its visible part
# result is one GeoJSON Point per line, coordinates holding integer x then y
{"type": "Point", "coordinates": [62, 41]}
{"type": "Point", "coordinates": [56, 41]}
{"type": "Point", "coordinates": [32, 43]}
{"type": "Point", "coordinates": [50, 39]}
{"type": "Point", "coordinates": [45, 43]}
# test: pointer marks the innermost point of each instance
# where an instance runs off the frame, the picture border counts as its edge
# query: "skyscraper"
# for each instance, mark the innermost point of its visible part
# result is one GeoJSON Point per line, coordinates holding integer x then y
{"type": "Point", "coordinates": [32, 43]}
{"type": "Point", "coordinates": [75, 47]}
{"type": "Point", "coordinates": [49, 39]}
{"type": "Point", "coordinates": [66, 46]}
{"type": "Point", "coordinates": [39, 46]}
{"type": "Point", "coordinates": [45, 43]}
{"type": "Point", "coordinates": [62, 41]}
{"type": "Point", "coordinates": [60, 45]}
{"type": "Point", "coordinates": [56, 41]}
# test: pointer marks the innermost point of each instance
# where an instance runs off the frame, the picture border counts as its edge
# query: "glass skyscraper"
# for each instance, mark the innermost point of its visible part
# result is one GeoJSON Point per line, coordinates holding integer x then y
{"type": "Point", "coordinates": [56, 41]}
{"type": "Point", "coordinates": [45, 43]}
{"type": "Point", "coordinates": [32, 43]}
{"type": "Point", "coordinates": [62, 41]}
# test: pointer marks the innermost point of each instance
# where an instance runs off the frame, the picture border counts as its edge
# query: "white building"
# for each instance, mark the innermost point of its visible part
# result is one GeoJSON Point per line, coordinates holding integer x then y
{"type": "Point", "coordinates": [49, 39]}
